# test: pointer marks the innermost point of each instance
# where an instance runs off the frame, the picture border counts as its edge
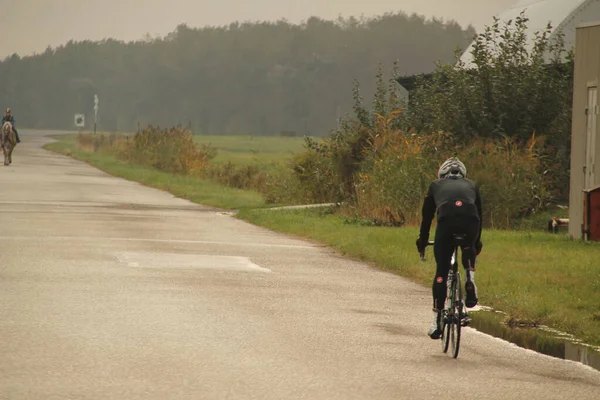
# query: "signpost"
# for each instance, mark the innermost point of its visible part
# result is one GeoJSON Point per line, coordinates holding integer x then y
{"type": "Point", "coordinates": [80, 118]}
{"type": "Point", "coordinates": [95, 111]}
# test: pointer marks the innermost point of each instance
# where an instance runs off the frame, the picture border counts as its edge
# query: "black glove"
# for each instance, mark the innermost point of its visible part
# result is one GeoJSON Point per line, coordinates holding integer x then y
{"type": "Point", "coordinates": [421, 244]}
{"type": "Point", "coordinates": [478, 247]}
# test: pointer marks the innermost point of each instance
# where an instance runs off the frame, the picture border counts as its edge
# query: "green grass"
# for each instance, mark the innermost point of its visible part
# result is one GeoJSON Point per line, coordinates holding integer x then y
{"type": "Point", "coordinates": [246, 149]}
{"type": "Point", "coordinates": [539, 221]}
{"type": "Point", "coordinates": [197, 190]}
{"type": "Point", "coordinates": [533, 276]}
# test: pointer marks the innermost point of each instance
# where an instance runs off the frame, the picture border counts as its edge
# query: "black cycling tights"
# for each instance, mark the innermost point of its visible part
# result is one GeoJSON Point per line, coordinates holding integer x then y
{"type": "Point", "coordinates": [443, 253]}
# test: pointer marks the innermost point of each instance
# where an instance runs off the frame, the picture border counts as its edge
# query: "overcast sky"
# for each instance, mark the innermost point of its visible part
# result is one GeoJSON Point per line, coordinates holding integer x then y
{"type": "Point", "coordinates": [31, 25]}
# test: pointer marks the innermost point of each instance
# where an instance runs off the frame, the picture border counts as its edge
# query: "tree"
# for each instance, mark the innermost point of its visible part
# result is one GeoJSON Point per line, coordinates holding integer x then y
{"type": "Point", "coordinates": [512, 89]}
{"type": "Point", "coordinates": [259, 78]}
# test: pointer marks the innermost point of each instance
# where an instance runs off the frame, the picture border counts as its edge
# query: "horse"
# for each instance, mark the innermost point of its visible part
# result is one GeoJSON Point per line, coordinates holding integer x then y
{"type": "Point", "coordinates": [8, 141]}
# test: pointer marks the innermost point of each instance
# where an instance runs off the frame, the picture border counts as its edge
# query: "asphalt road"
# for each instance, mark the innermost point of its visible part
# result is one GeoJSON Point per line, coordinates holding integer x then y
{"type": "Point", "coordinates": [112, 290]}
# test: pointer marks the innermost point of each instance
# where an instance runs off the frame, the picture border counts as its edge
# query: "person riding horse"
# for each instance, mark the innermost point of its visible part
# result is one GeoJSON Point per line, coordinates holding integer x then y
{"type": "Point", "coordinates": [8, 117]}
{"type": "Point", "coordinates": [8, 141]}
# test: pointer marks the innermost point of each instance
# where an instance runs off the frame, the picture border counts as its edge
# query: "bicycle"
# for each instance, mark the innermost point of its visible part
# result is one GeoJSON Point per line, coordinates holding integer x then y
{"type": "Point", "coordinates": [454, 314]}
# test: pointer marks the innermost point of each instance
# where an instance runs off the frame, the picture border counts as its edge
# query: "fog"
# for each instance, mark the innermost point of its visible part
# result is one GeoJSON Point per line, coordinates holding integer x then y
{"type": "Point", "coordinates": [30, 26]}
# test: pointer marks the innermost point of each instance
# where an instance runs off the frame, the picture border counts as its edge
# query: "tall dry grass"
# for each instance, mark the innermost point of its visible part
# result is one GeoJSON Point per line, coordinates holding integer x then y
{"type": "Point", "coordinates": [401, 165]}
{"type": "Point", "coordinates": [171, 150]}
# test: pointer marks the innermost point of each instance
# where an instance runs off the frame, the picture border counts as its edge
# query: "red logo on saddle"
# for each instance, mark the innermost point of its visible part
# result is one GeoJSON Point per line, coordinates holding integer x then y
{"type": "Point", "coordinates": [440, 279]}
{"type": "Point", "coordinates": [458, 203]}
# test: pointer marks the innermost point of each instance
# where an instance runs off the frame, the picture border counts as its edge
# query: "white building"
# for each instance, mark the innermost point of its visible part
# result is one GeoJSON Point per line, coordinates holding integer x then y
{"type": "Point", "coordinates": [563, 15]}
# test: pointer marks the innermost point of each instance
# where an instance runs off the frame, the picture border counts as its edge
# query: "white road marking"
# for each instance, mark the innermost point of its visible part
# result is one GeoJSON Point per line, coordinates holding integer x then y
{"type": "Point", "coordinates": [161, 260]}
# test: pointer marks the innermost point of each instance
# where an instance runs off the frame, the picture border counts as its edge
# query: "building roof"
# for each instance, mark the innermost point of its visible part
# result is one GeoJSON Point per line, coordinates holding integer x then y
{"type": "Point", "coordinates": [564, 16]}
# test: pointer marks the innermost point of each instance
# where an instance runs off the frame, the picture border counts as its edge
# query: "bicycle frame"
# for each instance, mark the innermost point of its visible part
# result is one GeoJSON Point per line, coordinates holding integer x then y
{"type": "Point", "coordinates": [454, 313]}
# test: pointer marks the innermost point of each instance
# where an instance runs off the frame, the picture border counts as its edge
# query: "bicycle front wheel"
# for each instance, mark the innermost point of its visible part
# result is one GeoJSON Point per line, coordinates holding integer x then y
{"type": "Point", "coordinates": [446, 323]}
{"type": "Point", "coordinates": [456, 310]}
{"type": "Point", "coordinates": [447, 314]}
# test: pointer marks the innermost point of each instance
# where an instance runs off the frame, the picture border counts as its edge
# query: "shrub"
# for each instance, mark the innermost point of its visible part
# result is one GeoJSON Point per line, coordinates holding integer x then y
{"type": "Point", "coordinates": [490, 114]}
{"type": "Point", "coordinates": [510, 89]}
{"type": "Point", "coordinates": [393, 177]}
{"type": "Point", "coordinates": [391, 187]}
{"type": "Point", "coordinates": [171, 150]}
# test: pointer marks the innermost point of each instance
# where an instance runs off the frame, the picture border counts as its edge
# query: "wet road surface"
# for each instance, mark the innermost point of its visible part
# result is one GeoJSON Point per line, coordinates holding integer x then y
{"type": "Point", "coordinates": [112, 290]}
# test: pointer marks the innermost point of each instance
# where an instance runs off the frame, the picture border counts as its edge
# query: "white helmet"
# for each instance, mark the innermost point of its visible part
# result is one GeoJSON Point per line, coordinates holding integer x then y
{"type": "Point", "coordinates": [452, 168]}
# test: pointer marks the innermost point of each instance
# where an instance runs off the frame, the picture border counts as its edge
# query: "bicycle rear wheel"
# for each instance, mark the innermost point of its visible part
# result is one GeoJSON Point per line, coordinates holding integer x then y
{"type": "Point", "coordinates": [457, 311]}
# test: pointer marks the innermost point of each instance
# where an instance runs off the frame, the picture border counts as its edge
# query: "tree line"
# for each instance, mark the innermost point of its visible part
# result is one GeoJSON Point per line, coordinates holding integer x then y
{"type": "Point", "coordinates": [262, 78]}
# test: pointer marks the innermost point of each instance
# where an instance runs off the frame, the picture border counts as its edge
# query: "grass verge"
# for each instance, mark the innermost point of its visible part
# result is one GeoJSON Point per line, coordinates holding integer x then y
{"type": "Point", "coordinates": [533, 276]}
{"type": "Point", "coordinates": [197, 190]}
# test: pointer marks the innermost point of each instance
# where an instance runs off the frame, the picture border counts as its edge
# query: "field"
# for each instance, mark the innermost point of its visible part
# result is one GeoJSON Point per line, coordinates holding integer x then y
{"type": "Point", "coordinates": [252, 149]}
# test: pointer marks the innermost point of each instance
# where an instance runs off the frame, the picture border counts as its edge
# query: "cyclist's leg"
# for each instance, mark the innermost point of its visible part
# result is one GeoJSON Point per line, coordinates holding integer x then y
{"type": "Point", "coordinates": [469, 258]}
{"type": "Point", "coordinates": [443, 253]}
{"type": "Point", "coordinates": [469, 253]}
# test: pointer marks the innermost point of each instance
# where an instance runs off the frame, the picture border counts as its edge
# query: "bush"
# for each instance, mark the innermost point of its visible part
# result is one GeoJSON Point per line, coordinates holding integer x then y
{"type": "Point", "coordinates": [276, 182]}
{"type": "Point", "coordinates": [328, 168]}
{"type": "Point", "coordinates": [320, 170]}
{"type": "Point", "coordinates": [171, 150]}
{"type": "Point", "coordinates": [507, 116]}
{"type": "Point", "coordinates": [394, 177]}
{"type": "Point", "coordinates": [97, 143]}
{"type": "Point", "coordinates": [508, 89]}
{"type": "Point", "coordinates": [393, 182]}
{"type": "Point", "coordinates": [510, 178]}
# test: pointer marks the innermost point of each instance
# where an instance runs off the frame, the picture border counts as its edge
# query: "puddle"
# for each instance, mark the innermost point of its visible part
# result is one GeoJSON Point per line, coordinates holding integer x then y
{"type": "Point", "coordinates": [540, 339]}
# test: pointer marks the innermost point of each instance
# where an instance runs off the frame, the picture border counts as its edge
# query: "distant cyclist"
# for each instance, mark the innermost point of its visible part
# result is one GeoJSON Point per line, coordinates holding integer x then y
{"type": "Point", "coordinates": [457, 202]}
{"type": "Point", "coordinates": [8, 117]}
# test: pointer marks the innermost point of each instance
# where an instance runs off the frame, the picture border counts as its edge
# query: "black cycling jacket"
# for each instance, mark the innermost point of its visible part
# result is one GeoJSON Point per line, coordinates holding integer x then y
{"type": "Point", "coordinates": [451, 198]}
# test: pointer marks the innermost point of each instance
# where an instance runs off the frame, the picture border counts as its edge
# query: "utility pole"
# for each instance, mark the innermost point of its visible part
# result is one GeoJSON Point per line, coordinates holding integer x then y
{"type": "Point", "coordinates": [95, 111]}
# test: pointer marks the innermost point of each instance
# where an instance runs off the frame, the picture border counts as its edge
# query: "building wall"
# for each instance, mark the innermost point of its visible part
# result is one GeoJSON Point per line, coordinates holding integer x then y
{"type": "Point", "coordinates": [587, 73]}
{"type": "Point", "coordinates": [587, 12]}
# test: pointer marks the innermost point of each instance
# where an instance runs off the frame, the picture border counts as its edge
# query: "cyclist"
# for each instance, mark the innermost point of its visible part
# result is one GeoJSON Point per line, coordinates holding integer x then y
{"type": "Point", "coordinates": [8, 117]}
{"type": "Point", "coordinates": [457, 202]}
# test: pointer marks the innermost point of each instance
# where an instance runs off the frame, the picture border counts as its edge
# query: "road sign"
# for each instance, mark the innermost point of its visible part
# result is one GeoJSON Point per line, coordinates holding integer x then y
{"type": "Point", "coordinates": [79, 120]}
